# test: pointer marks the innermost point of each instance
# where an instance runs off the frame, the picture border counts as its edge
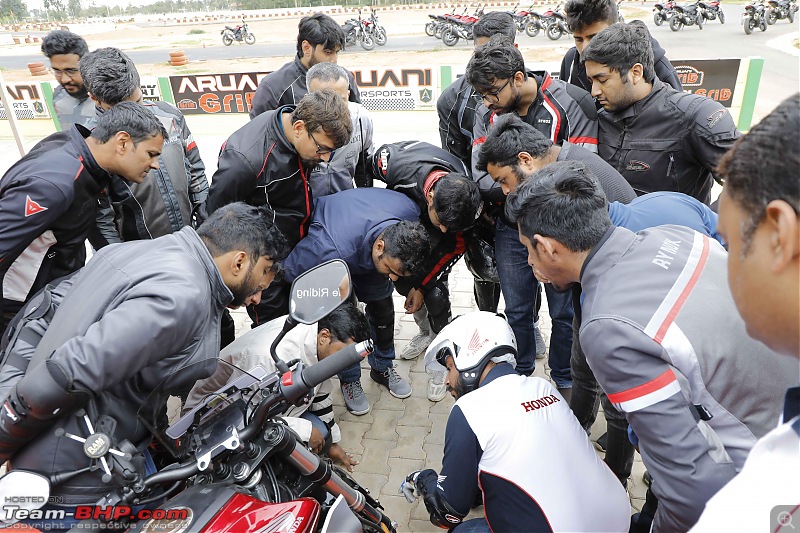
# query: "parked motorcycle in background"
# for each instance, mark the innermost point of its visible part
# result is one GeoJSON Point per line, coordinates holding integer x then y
{"type": "Point", "coordinates": [355, 32]}
{"type": "Point", "coordinates": [460, 27]}
{"type": "Point", "coordinates": [686, 15]}
{"type": "Point", "coordinates": [376, 31]}
{"type": "Point", "coordinates": [712, 11]}
{"type": "Point", "coordinates": [236, 466]}
{"type": "Point", "coordinates": [555, 23]}
{"type": "Point", "coordinates": [534, 24]}
{"type": "Point", "coordinates": [240, 33]}
{"type": "Point", "coordinates": [754, 16]}
{"type": "Point", "coordinates": [781, 9]}
{"type": "Point", "coordinates": [663, 12]}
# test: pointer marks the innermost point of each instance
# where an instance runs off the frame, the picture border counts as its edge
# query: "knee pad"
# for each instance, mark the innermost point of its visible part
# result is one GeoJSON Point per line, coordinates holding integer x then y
{"type": "Point", "coordinates": [381, 317]}
{"type": "Point", "coordinates": [437, 302]}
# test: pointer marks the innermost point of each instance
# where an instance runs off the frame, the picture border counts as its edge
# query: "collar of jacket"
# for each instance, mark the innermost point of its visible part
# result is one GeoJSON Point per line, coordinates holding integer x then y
{"type": "Point", "coordinates": [500, 370]}
{"type": "Point", "coordinates": [597, 264]}
{"type": "Point", "coordinates": [301, 68]}
{"type": "Point", "coordinates": [543, 81]}
{"type": "Point", "coordinates": [638, 108]}
{"type": "Point", "coordinates": [191, 241]}
{"type": "Point", "coordinates": [77, 136]}
{"type": "Point", "coordinates": [276, 133]}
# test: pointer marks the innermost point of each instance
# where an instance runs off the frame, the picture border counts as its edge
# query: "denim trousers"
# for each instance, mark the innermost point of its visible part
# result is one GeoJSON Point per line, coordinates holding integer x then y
{"type": "Point", "coordinates": [519, 287]}
{"type": "Point", "coordinates": [375, 291]}
{"type": "Point", "coordinates": [476, 525]}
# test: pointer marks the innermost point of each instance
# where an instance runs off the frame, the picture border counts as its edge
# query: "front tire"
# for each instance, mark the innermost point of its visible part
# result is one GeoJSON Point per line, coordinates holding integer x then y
{"type": "Point", "coordinates": [367, 43]}
{"type": "Point", "coordinates": [554, 32]}
{"type": "Point", "coordinates": [762, 26]}
{"type": "Point", "coordinates": [747, 23]}
{"type": "Point", "coordinates": [699, 21]}
{"type": "Point", "coordinates": [721, 16]}
{"type": "Point", "coordinates": [449, 37]}
{"type": "Point", "coordinates": [250, 38]}
{"type": "Point", "coordinates": [380, 37]}
{"type": "Point", "coordinates": [658, 19]}
{"type": "Point", "coordinates": [772, 17]}
{"type": "Point", "coordinates": [532, 29]}
{"type": "Point", "coordinates": [675, 23]}
{"type": "Point", "coordinates": [430, 29]}
{"type": "Point", "coordinates": [790, 15]}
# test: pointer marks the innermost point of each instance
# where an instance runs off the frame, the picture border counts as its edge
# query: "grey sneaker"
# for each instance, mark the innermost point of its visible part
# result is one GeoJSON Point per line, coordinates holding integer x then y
{"type": "Point", "coordinates": [354, 398]}
{"type": "Point", "coordinates": [541, 345]}
{"type": "Point", "coordinates": [437, 390]}
{"type": "Point", "coordinates": [398, 387]}
{"type": "Point", "coordinates": [416, 346]}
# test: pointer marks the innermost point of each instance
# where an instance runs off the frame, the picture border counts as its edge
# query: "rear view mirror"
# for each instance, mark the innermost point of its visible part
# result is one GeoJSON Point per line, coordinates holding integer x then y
{"type": "Point", "coordinates": [317, 292]}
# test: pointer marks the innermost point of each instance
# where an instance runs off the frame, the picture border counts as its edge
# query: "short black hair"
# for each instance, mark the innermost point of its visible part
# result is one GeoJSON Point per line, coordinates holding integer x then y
{"type": "Point", "coordinates": [319, 28]}
{"type": "Point", "coordinates": [620, 46]}
{"type": "Point", "coordinates": [109, 75]}
{"type": "Point", "coordinates": [495, 23]}
{"type": "Point", "coordinates": [408, 242]}
{"type": "Point", "coordinates": [562, 201]}
{"type": "Point", "coordinates": [498, 59]}
{"type": "Point", "coordinates": [759, 168]}
{"type": "Point", "coordinates": [582, 13]}
{"type": "Point", "coordinates": [131, 117]}
{"type": "Point", "coordinates": [61, 42]}
{"type": "Point", "coordinates": [346, 322]}
{"type": "Point", "coordinates": [239, 226]}
{"type": "Point", "coordinates": [509, 136]}
{"type": "Point", "coordinates": [325, 110]}
{"type": "Point", "coordinates": [457, 201]}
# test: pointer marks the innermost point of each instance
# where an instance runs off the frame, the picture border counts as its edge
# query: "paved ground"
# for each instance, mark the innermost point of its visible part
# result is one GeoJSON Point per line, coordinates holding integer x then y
{"type": "Point", "coordinates": [399, 436]}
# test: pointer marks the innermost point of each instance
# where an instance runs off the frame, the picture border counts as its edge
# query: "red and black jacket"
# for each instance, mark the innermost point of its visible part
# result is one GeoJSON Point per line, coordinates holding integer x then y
{"type": "Point", "coordinates": [48, 205]}
{"type": "Point", "coordinates": [259, 166]}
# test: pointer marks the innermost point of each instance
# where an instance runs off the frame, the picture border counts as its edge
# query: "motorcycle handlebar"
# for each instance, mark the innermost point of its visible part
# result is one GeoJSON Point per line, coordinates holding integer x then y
{"type": "Point", "coordinates": [333, 364]}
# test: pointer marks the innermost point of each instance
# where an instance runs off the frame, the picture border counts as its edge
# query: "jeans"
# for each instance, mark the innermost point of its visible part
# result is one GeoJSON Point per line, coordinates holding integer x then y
{"type": "Point", "coordinates": [322, 427]}
{"type": "Point", "coordinates": [584, 402]}
{"type": "Point", "coordinates": [476, 525]}
{"type": "Point", "coordinates": [519, 288]}
{"type": "Point", "coordinates": [375, 291]}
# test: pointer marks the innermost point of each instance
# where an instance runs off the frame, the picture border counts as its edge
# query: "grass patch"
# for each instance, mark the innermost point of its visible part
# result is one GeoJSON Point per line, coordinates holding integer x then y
{"type": "Point", "coordinates": [196, 32]}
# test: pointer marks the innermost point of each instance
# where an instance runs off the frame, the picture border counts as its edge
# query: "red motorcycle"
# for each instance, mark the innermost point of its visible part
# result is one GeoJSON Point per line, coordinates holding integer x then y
{"type": "Point", "coordinates": [239, 467]}
{"type": "Point", "coordinates": [663, 12]}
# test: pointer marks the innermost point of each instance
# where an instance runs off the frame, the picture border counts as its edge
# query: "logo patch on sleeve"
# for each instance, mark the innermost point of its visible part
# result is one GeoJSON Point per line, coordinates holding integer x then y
{"type": "Point", "coordinates": [31, 207]}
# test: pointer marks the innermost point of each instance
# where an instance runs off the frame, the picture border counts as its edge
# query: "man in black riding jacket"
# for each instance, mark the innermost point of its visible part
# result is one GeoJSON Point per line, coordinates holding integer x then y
{"type": "Point", "coordinates": [449, 203]}
{"type": "Point", "coordinates": [319, 40]}
{"type": "Point", "coordinates": [585, 19]}
{"type": "Point", "coordinates": [658, 138]}
{"type": "Point", "coordinates": [268, 161]}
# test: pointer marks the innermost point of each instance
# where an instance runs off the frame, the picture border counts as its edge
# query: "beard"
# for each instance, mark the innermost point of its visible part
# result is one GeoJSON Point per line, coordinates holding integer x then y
{"type": "Point", "coordinates": [459, 390]}
{"type": "Point", "coordinates": [245, 289]}
{"type": "Point", "coordinates": [510, 107]}
{"type": "Point", "coordinates": [311, 164]}
{"type": "Point", "coordinates": [76, 91]}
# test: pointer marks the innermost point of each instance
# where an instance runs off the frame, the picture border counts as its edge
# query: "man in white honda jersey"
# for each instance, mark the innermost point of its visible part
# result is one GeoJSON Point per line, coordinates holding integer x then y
{"type": "Point", "coordinates": [514, 439]}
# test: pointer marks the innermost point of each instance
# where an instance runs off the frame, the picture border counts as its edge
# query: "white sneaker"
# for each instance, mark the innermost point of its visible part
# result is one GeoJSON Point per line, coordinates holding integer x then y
{"type": "Point", "coordinates": [416, 346]}
{"type": "Point", "coordinates": [437, 390]}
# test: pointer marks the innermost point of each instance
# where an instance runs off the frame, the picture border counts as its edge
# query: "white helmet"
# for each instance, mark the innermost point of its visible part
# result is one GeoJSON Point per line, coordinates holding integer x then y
{"type": "Point", "coordinates": [472, 340]}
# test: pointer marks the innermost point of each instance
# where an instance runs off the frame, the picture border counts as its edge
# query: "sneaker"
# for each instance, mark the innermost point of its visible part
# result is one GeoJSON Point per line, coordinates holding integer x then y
{"type": "Point", "coordinates": [437, 390]}
{"type": "Point", "coordinates": [602, 442]}
{"type": "Point", "coordinates": [541, 345]}
{"type": "Point", "coordinates": [398, 387]}
{"type": "Point", "coordinates": [354, 398]}
{"type": "Point", "coordinates": [416, 346]}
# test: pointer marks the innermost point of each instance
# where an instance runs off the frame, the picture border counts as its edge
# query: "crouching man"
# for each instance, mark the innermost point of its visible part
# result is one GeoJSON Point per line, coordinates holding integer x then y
{"type": "Point", "coordinates": [314, 423]}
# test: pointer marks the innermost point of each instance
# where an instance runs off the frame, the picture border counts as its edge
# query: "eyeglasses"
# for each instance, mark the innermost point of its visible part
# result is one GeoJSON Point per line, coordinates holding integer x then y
{"type": "Point", "coordinates": [70, 72]}
{"type": "Point", "coordinates": [494, 94]}
{"type": "Point", "coordinates": [321, 150]}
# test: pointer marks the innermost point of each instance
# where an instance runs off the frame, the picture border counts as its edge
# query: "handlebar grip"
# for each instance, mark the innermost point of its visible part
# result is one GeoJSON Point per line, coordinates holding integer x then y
{"type": "Point", "coordinates": [333, 364]}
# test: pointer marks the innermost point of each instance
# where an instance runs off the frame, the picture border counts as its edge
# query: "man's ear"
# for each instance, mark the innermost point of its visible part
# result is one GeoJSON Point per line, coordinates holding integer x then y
{"type": "Point", "coordinates": [784, 234]}
{"type": "Point", "coordinates": [307, 49]}
{"type": "Point", "coordinates": [238, 263]}
{"type": "Point", "coordinates": [637, 73]}
{"type": "Point", "coordinates": [525, 161]}
{"type": "Point", "coordinates": [378, 246]}
{"type": "Point", "coordinates": [429, 197]}
{"type": "Point", "coordinates": [298, 127]}
{"type": "Point", "coordinates": [548, 247]}
{"type": "Point", "coordinates": [323, 337]}
{"type": "Point", "coordinates": [122, 142]}
{"type": "Point", "coordinates": [519, 77]}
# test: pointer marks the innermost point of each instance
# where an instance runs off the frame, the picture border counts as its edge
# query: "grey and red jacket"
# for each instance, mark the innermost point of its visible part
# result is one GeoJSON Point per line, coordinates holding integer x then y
{"type": "Point", "coordinates": [48, 202]}
{"type": "Point", "coordinates": [562, 112]}
{"type": "Point", "coordinates": [286, 86]}
{"type": "Point", "coordinates": [406, 167]}
{"type": "Point", "coordinates": [664, 339]}
{"type": "Point", "coordinates": [165, 201]}
{"type": "Point", "coordinates": [259, 166]}
{"type": "Point", "coordinates": [668, 141]}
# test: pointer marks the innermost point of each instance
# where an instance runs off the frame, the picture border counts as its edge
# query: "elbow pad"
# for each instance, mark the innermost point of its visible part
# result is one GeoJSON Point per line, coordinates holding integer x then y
{"type": "Point", "coordinates": [29, 409]}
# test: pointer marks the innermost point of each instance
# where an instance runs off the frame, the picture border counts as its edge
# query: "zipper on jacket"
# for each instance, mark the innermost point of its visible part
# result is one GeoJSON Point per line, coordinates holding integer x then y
{"type": "Point", "coordinates": [174, 215]}
{"type": "Point", "coordinates": [669, 167]}
{"type": "Point", "coordinates": [620, 166]}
